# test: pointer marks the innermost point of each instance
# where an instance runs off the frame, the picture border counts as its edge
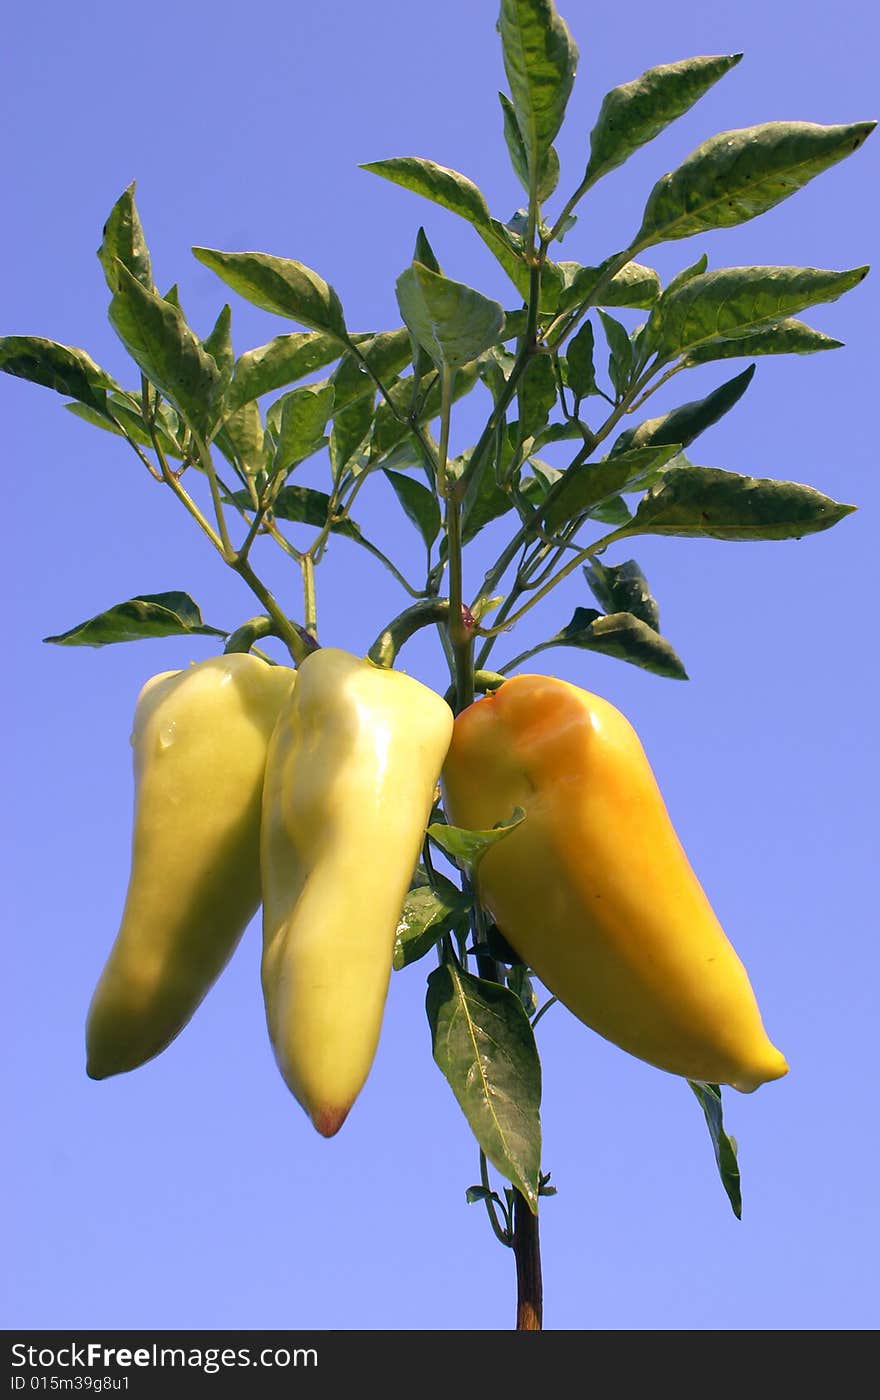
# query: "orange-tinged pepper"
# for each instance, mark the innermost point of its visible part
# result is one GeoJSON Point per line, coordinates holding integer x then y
{"type": "Point", "coordinates": [593, 889]}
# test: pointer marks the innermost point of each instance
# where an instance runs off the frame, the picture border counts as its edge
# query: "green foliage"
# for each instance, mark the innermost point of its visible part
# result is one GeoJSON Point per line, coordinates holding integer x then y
{"type": "Point", "coordinates": [280, 285]}
{"type": "Point", "coordinates": [585, 486]}
{"type": "Point", "coordinates": [540, 60]}
{"type": "Point", "coordinates": [709, 1096]}
{"type": "Point", "coordinates": [634, 285]}
{"type": "Point", "coordinates": [124, 242]}
{"type": "Point", "coordinates": [623, 588]}
{"type": "Point", "coordinates": [484, 1045]}
{"type": "Point", "coordinates": [280, 362]}
{"type": "Point", "coordinates": [171, 355]}
{"type": "Point", "coordinates": [452, 322]}
{"type": "Point", "coordinates": [469, 847]}
{"type": "Point", "coordinates": [636, 112]}
{"type": "Point", "coordinates": [734, 301]}
{"type": "Point", "coordinates": [298, 420]}
{"type": "Point", "coordinates": [419, 503]}
{"type": "Point", "coordinates": [684, 424]}
{"type": "Point", "coordinates": [737, 175]}
{"type": "Point", "coordinates": [431, 910]}
{"type": "Point", "coordinates": [622, 635]}
{"type": "Point", "coordinates": [147, 615]}
{"type": "Point", "coordinates": [59, 367]}
{"type": "Point", "coordinates": [704, 501]}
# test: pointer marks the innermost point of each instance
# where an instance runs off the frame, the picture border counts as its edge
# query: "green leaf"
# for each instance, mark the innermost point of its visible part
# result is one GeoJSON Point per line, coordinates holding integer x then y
{"type": "Point", "coordinates": [302, 505]}
{"type": "Point", "coordinates": [243, 439]}
{"type": "Point", "coordinates": [518, 157]}
{"type": "Point", "coordinates": [705, 501]}
{"type": "Point", "coordinates": [427, 914]}
{"type": "Point", "coordinates": [787, 337]}
{"type": "Point", "coordinates": [622, 635]}
{"type": "Point", "coordinates": [484, 1045]}
{"type": "Point", "coordinates": [386, 354]}
{"type": "Point", "coordinates": [734, 301]}
{"type": "Point", "coordinates": [634, 285]}
{"type": "Point", "coordinates": [613, 511]}
{"type": "Point", "coordinates": [636, 112]}
{"type": "Point", "coordinates": [684, 424]}
{"type": "Point", "coordinates": [455, 192]}
{"type": "Point", "coordinates": [351, 426]}
{"type": "Point", "coordinates": [584, 486]}
{"type": "Point", "coordinates": [540, 60]}
{"type": "Point", "coordinates": [170, 354]}
{"type": "Point", "coordinates": [709, 1096]}
{"type": "Point", "coordinates": [147, 615]}
{"type": "Point", "coordinates": [424, 253]}
{"type": "Point", "coordinates": [453, 322]}
{"type": "Point", "coordinates": [620, 362]}
{"type": "Point", "coordinates": [421, 361]}
{"type": "Point", "coordinates": [514, 142]}
{"type": "Point", "coordinates": [298, 420]}
{"type": "Point", "coordinates": [60, 367]}
{"type": "Point", "coordinates": [419, 503]}
{"type": "Point", "coordinates": [438, 183]}
{"type": "Point", "coordinates": [737, 175]}
{"type": "Point", "coordinates": [461, 196]}
{"type": "Point", "coordinates": [123, 241]}
{"type": "Point", "coordinates": [487, 501]}
{"type": "Point", "coordinates": [680, 278]}
{"type": "Point", "coordinates": [473, 1194]}
{"type": "Point", "coordinates": [469, 847]}
{"type": "Point", "coordinates": [126, 421]}
{"type": "Point", "coordinates": [495, 369]}
{"type": "Point", "coordinates": [278, 363]}
{"type": "Point", "coordinates": [580, 369]}
{"type": "Point", "coordinates": [279, 285]}
{"type": "Point", "coordinates": [536, 395]}
{"type": "Point", "coordinates": [219, 344]}
{"type": "Point", "coordinates": [623, 588]}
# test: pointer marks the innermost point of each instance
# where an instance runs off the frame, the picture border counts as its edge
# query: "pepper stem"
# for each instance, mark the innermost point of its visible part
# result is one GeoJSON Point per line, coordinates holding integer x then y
{"type": "Point", "coordinates": [389, 641]}
{"type": "Point", "coordinates": [527, 1252]}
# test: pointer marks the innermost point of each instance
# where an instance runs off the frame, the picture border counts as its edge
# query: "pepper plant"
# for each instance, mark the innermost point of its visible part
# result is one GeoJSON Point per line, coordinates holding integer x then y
{"type": "Point", "coordinates": [563, 365]}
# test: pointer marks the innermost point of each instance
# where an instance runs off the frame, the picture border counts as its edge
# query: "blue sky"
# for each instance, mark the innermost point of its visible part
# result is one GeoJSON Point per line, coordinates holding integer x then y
{"type": "Point", "coordinates": [193, 1192]}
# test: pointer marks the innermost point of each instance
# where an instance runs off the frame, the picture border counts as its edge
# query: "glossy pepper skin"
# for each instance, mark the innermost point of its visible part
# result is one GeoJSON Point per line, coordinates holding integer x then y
{"type": "Point", "coordinates": [200, 740]}
{"type": "Point", "coordinates": [594, 890]}
{"type": "Point", "coordinates": [350, 783]}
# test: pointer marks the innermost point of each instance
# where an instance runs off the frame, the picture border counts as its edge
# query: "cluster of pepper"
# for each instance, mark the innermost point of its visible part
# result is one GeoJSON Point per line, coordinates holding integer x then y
{"type": "Point", "coordinates": [310, 791]}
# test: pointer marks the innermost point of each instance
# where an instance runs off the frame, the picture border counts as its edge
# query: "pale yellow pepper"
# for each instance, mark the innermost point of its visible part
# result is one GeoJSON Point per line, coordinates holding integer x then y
{"type": "Point", "coordinates": [350, 782]}
{"type": "Point", "coordinates": [200, 740]}
{"type": "Point", "coordinates": [593, 889]}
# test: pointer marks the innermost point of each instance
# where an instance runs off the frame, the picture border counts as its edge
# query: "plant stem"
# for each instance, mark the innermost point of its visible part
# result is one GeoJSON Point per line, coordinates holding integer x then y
{"type": "Point", "coordinates": [286, 630]}
{"type": "Point", "coordinates": [460, 633]}
{"type": "Point", "coordinates": [243, 638]}
{"type": "Point", "coordinates": [596, 547]}
{"type": "Point", "coordinates": [498, 1229]}
{"type": "Point", "coordinates": [430, 611]}
{"type": "Point", "coordinates": [207, 463]}
{"type": "Point", "coordinates": [527, 1251]}
{"type": "Point", "coordinates": [310, 602]}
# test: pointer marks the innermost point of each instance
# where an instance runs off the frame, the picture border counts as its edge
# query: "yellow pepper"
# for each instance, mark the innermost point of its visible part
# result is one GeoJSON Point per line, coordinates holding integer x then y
{"type": "Point", "coordinates": [200, 741]}
{"type": "Point", "coordinates": [593, 889]}
{"type": "Point", "coordinates": [350, 782]}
